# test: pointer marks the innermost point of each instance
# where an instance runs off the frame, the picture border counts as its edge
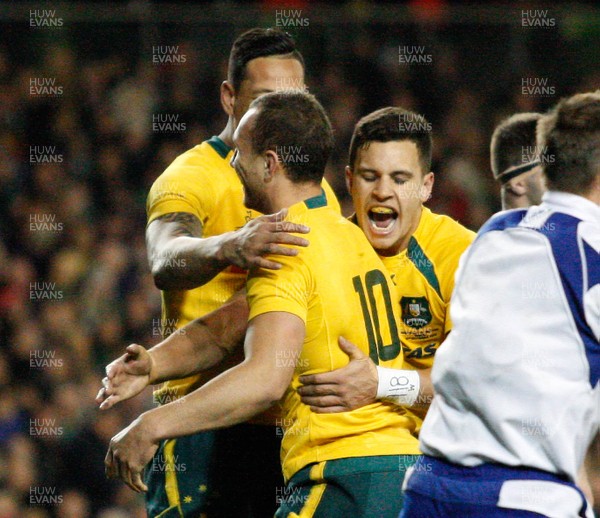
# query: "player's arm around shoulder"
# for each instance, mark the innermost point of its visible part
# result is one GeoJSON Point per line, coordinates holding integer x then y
{"type": "Point", "coordinates": [361, 383]}
{"type": "Point", "coordinates": [181, 259]}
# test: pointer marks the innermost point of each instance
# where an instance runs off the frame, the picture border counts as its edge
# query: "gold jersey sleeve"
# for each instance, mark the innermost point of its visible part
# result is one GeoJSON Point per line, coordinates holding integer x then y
{"type": "Point", "coordinates": [338, 287]}
{"type": "Point", "coordinates": [202, 182]}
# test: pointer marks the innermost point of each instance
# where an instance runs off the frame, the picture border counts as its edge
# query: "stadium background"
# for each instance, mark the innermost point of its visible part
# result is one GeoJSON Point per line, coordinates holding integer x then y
{"type": "Point", "coordinates": [98, 99]}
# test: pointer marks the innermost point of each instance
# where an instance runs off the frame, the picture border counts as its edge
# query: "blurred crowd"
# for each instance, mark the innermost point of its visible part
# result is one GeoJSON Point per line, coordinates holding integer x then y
{"type": "Point", "coordinates": [79, 150]}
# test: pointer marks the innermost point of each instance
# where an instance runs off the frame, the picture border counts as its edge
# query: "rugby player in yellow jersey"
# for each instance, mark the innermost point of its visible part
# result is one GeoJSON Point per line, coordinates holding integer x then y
{"type": "Point", "coordinates": [389, 177]}
{"type": "Point", "coordinates": [200, 240]}
{"type": "Point", "coordinates": [336, 465]}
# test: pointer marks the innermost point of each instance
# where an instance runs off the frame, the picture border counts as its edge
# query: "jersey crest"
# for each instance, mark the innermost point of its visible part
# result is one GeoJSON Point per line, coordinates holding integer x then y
{"type": "Point", "coordinates": [415, 311]}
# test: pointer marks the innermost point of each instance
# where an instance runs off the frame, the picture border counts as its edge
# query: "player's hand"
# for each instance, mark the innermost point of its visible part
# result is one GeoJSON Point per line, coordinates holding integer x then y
{"type": "Point", "coordinates": [344, 389]}
{"type": "Point", "coordinates": [265, 235]}
{"type": "Point", "coordinates": [126, 377]}
{"type": "Point", "coordinates": [129, 452]}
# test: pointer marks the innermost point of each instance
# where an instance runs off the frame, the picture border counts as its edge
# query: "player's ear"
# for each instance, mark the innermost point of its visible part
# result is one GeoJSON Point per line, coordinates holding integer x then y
{"type": "Point", "coordinates": [518, 186]}
{"type": "Point", "coordinates": [227, 97]}
{"type": "Point", "coordinates": [271, 164]}
{"type": "Point", "coordinates": [349, 178]}
{"type": "Point", "coordinates": [427, 186]}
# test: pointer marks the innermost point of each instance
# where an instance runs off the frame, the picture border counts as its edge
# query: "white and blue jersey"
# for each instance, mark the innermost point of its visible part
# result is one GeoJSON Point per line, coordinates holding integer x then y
{"type": "Point", "coordinates": [517, 380]}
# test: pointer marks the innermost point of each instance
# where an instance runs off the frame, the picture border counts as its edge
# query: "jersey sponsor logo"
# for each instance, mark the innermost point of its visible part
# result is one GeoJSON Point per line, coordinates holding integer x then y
{"type": "Point", "coordinates": [415, 311]}
{"type": "Point", "coordinates": [423, 352]}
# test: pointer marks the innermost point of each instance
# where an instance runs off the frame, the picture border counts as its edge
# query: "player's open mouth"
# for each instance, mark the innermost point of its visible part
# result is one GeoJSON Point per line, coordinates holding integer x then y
{"type": "Point", "coordinates": [382, 219]}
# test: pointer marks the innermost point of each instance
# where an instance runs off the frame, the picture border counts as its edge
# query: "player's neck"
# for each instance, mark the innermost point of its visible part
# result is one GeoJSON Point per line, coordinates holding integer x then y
{"type": "Point", "coordinates": [227, 134]}
{"type": "Point", "coordinates": [593, 193]}
{"type": "Point", "coordinates": [287, 195]}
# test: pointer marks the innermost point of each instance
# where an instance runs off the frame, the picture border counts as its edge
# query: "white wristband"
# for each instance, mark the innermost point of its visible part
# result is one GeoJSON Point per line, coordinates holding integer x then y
{"type": "Point", "coordinates": [398, 386]}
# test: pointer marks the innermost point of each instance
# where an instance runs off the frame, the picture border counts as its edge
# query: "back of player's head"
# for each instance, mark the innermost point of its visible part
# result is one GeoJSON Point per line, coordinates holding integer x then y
{"type": "Point", "coordinates": [393, 124]}
{"type": "Point", "coordinates": [296, 127]}
{"type": "Point", "coordinates": [259, 43]}
{"type": "Point", "coordinates": [569, 140]}
{"type": "Point", "coordinates": [513, 146]}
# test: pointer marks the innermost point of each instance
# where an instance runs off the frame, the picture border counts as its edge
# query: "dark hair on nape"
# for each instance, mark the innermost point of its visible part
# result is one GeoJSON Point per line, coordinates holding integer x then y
{"type": "Point", "coordinates": [296, 127]}
{"type": "Point", "coordinates": [259, 43]}
{"type": "Point", "coordinates": [569, 140]}
{"type": "Point", "coordinates": [513, 142]}
{"type": "Point", "coordinates": [393, 124]}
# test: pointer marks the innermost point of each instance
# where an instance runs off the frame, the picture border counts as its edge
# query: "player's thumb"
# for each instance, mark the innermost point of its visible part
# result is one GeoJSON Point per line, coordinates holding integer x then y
{"type": "Point", "coordinates": [353, 352]}
{"type": "Point", "coordinates": [134, 351]}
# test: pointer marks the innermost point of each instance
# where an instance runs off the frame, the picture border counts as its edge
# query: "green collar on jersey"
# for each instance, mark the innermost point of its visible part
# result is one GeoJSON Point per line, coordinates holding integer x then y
{"type": "Point", "coordinates": [417, 256]}
{"type": "Point", "coordinates": [219, 146]}
{"type": "Point", "coordinates": [317, 201]}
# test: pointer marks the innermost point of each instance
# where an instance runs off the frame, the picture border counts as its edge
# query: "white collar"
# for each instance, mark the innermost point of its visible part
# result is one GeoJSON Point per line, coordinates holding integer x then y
{"type": "Point", "coordinates": [573, 205]}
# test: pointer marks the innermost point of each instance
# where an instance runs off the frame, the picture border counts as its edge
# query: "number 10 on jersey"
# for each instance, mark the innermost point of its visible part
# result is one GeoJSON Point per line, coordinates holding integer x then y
{"type": "Point", "coordinates": [366, 289]}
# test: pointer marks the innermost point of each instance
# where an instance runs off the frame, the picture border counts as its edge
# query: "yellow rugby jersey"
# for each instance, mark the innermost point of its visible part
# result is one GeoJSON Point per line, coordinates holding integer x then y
{"type": "Point", "coordinates": [202, 182]}
{"type": "Point", "coordinates": [424, 277]}
{"type": "Point", "coordinates": [338, 287]}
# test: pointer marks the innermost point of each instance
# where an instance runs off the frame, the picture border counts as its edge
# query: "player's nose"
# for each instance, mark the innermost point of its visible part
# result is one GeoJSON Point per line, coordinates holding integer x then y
{"type": "Point", "coordinates": [382, 189]}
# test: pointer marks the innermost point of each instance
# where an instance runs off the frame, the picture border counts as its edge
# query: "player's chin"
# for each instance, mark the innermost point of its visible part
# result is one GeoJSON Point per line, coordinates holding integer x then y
{"type": "Point", "coordinates": [382, 243]}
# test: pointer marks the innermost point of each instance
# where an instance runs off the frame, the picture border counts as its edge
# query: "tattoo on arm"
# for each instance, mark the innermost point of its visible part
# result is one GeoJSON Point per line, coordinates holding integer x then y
{"type": "Point", "coordinates": [188, 225]}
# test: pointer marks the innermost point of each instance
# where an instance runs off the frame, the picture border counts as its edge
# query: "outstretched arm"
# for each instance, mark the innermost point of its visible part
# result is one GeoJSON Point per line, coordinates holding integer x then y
{"type": "Point", "coordinates": [230, 398]}
{"type": "Point", "coordinates": [198, 346]}
{"type": "Point", "coordinates": [181, 259]}
{"type": "Point", "coordinates": [358, 383]}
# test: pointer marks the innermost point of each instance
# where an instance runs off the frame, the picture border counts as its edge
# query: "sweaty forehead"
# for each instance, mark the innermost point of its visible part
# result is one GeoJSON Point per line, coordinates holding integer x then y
{"type": "Point", "coordinates": [273, 73]}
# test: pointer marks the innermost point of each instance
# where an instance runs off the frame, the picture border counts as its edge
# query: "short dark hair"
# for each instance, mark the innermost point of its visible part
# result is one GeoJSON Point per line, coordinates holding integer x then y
{"type": "Point", "coordinates": [569, 140]}
{"type": "Point", "coordinates": [389, 124]}
{"type": "Point", "coordinates": [296, 127]}
{"type": "Point", "coordinates": [510, 140]}
{"type": "Point", "coordinates": [259, 43]}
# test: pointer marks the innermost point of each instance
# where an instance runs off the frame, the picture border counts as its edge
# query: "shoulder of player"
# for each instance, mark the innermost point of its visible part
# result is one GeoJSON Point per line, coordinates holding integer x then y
{"type": "Point", "coordinates": [197, 167]}
{"type": "Point", "coordinates": [197, 161]}
{"type": "Point", "coordinates": [443, 237]}
{"type": "Point", "coordinates": [293, 268]}
{"type": "Point", "coordinates": [328, 231]}
{"type": "Point", "coordinates": [330, 222]}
